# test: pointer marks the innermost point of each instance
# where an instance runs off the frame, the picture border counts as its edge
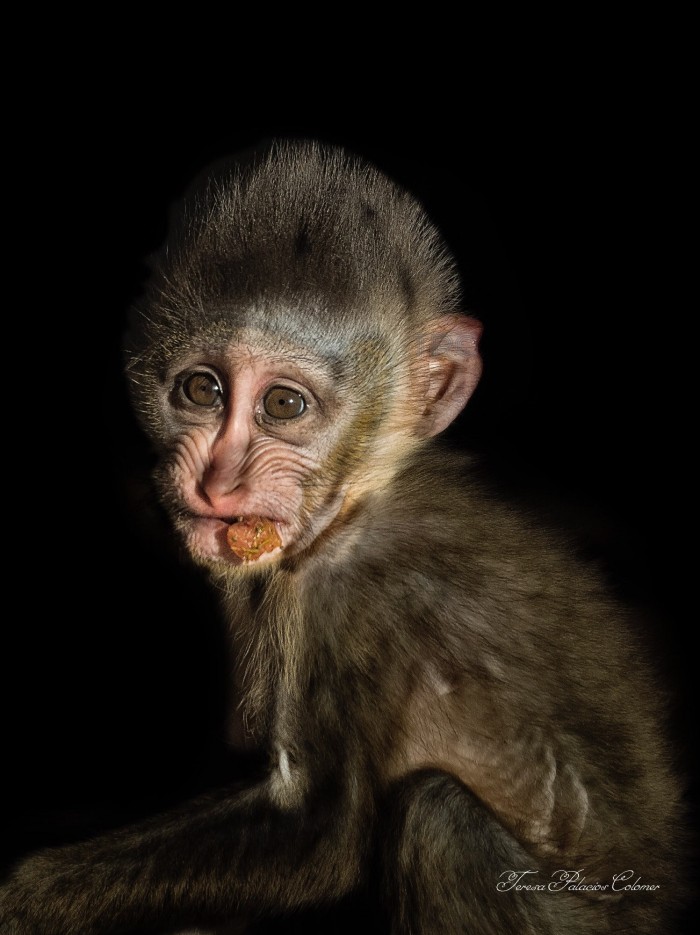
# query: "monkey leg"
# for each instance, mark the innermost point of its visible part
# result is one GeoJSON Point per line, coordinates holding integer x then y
{"type": "Point", "coordinates": [229, 855]}
{"type": "Point", "coordinates": [444, 858]}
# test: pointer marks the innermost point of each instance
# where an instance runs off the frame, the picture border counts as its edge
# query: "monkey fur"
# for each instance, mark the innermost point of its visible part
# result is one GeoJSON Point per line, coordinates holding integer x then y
{"type": "Point", "coordinates": [457, 718]}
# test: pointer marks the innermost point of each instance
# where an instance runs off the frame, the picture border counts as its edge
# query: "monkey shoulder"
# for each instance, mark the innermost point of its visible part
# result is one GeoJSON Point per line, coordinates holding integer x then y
{"type": "Point", "coordinates": [442, 519]}
{"type": "Point", "coordinates": [442, 546]}
{"type": "Point", "coordinates": [442, 569]}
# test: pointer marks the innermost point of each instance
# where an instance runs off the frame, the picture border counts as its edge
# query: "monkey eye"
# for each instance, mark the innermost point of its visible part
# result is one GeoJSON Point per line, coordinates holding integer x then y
{"type": "Point", "coordinates": [283, 403]}
{"type": "Point", "coordinates": [202, 389]}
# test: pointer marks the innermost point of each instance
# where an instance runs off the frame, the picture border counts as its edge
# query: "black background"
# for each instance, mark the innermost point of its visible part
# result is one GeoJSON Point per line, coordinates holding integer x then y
{"type": "Point", "coordinates": [566, 205]}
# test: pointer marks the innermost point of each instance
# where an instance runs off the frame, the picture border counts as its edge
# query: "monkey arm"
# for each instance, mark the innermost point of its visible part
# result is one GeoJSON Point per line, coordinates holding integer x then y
{"type": "Point", "coordinates": [208, 861]}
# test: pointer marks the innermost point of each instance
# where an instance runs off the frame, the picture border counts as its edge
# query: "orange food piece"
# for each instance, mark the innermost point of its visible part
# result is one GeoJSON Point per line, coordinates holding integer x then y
{"type": "Point", "coordinates": [252, 536]}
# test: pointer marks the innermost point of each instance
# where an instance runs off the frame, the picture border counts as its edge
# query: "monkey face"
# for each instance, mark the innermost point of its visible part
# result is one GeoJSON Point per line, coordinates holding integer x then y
{"type": "Point", "coordinates": [257, 437]}
{"type": "Point", "coordinates": [282, 435]}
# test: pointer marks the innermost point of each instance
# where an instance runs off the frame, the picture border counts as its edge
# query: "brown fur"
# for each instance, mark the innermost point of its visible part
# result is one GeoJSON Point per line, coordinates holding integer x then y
{"type": "Point", "coordinates": [444, 692]}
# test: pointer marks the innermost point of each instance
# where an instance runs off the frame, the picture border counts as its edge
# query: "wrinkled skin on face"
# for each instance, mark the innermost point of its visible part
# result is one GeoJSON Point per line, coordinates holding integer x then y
{"type": "Point", "coordinates": [248, 433]}
{"type": "Point", "coordinates": [233, 450]}
{"type": "Point", "coordinates": [259, 430]}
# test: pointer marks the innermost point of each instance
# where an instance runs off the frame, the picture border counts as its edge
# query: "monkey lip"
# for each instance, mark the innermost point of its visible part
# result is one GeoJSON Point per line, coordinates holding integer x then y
{"type": "Point", "coordinates": [236, 540]}
{"type": "Point", "coordinates": [251, 537]}
{"type": "Point", "coordinates": [242, 539]}
{"type": "Point", "coordinates": [250, 520]}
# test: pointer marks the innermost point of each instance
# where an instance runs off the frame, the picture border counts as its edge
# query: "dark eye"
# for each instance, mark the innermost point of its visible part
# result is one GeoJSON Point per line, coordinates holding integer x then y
{"type": "Point", "coordinates": [282, 403]}
{"type": "Point", "coordinates": [202, 389]}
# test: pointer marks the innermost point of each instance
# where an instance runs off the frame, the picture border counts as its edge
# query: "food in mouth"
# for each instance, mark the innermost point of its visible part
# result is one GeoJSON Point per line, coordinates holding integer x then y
{"type": "Point", "coordinates": [251, 536]}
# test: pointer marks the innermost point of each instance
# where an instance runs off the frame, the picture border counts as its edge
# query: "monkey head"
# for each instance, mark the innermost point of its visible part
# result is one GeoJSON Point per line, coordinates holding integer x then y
{"type": "Point", "coordinates": [299, 337]}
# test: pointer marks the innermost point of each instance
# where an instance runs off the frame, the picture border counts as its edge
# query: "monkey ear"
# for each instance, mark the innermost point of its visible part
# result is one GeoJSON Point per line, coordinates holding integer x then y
{"type": "Point", "coordinates": [454, 367]}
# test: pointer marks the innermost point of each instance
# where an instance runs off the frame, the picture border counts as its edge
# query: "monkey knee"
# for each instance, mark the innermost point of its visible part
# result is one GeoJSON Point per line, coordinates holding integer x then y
{"type": "Point", "coordinates": [437, 825]}
{"type": "Point", "coordinates": [444, 858]}
{"type": "Point", "coordinates": [425, 852]}
{"type": "Point", "coordinates": [431, 805]}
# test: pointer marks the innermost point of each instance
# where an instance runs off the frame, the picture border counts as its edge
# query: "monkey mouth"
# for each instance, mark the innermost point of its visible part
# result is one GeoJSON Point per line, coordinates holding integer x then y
{"type": "Point", "coordinates": [234, 540]}
{"type": "Point", "coordinates": [251, 537]}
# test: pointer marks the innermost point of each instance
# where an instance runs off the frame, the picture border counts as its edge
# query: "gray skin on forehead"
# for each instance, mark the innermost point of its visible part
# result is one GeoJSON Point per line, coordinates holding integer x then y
{"type": "Point", "coordinates": [305, 240]}
{"type": "Point", "coordinates": [218, 342]}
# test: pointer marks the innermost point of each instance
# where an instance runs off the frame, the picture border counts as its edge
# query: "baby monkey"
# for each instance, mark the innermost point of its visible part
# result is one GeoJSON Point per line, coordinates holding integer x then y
{"type": "Point", "coordinates": [458, 720]}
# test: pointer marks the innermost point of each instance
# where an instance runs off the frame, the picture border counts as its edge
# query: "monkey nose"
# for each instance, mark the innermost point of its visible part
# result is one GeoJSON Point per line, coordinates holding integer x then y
{"type": "Point", "coordinates": [222, 488]}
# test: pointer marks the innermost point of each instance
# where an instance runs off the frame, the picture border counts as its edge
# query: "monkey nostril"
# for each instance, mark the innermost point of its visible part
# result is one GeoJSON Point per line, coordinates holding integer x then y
{"type": "Point", "coordinates": [221, 495]}
{"type": "Point", "coordinates": [219, 482]}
